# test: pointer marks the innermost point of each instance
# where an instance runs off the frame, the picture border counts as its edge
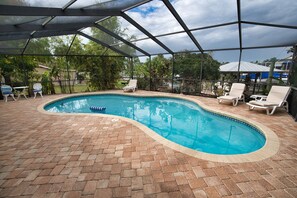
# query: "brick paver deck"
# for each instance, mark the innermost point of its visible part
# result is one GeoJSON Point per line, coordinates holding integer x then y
{"type": "Point", "coordinates": [85, 156]}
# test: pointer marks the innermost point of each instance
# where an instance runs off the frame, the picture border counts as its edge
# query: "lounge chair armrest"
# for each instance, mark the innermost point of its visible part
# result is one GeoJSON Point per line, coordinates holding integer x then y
{"type": "Point", "coordinates": [259, 97]}
{"type": "Point", "coordinates": [263, 99]}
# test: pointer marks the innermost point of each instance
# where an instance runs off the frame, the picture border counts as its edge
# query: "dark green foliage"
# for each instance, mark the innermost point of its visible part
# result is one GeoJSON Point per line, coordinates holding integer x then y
{"type": "Point", "coordinates": [103, 71]}
{"type": "Point", "coordinates": [188, 65]}
{"type": "Point", "coordinates": [17, 69]}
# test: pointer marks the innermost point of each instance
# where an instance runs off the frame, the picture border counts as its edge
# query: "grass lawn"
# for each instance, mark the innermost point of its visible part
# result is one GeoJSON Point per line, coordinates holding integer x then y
{"type": "Point", "coordinates": [77, 88]}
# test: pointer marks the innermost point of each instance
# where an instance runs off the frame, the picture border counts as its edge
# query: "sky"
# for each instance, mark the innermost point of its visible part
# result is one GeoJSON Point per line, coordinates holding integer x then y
{"type": "Point", "coordinates": [157, 19]}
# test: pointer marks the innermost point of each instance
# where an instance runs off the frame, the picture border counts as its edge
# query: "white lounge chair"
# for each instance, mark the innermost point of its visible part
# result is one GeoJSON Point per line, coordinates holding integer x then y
{"type": "Point", "coordinates": [132, 85]}
{"type": "Point", "coordinates": [7, 91]}
{"type": "Point", "coordinates": [235, 94]}
{"type": "Point", "coordinates": [37, 88]}
{"type": "Point", "coordinates": [277, 97]}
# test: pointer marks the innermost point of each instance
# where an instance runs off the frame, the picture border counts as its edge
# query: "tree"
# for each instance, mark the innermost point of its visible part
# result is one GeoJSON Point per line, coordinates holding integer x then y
{"type": "Point", "coordinates": [188, 65]}
{"type": "Point", "coordinates": [39, 46]}
{"type": "Point", "coordinates": [19, 67]}
{"type": "Point", "coordinates": [104, 71]}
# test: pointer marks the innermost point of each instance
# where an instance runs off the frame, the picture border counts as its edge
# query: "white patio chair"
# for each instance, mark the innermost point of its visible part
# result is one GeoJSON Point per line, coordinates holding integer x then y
{"type": "Point", "coordinates": [132, 85]}
{"type": "Point", "coordinates": [277, 97]}
{"type": "Point", "coordinates": [7, 91]}
{"type": "Point", "coordinates": [37, 88]}
{"type": "Point", "coordinates": [235, 94]}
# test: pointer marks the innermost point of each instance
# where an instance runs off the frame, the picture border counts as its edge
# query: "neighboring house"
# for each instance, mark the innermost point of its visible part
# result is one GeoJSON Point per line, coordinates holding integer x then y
{"type": "Point", "coordinates": [41, 69]}
{"type": "Point", "coordinates": [283, 64]}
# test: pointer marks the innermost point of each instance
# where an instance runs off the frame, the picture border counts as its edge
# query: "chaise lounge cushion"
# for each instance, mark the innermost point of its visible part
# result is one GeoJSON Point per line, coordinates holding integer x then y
{"type": "Point", "coordinates": [263, 103]}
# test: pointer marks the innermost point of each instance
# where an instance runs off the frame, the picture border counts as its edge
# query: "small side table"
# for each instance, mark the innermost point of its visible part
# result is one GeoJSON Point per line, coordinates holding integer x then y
{"type": "Point", "coordinates": [259, 97]}
{"type": "Point", "coordinates": [21, 91]}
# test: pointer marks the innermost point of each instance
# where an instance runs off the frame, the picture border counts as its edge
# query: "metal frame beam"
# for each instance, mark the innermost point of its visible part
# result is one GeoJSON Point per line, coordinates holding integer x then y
{"type": "Point", "coordinates": [194, 29]}
{"type": "Point", "coordinates": [136, 5]}
{"type": "Point", "coordinates": [63, 9]}
{"type": "Point", "coordinates": [68, 4]}
{"type": "Point", "coordinates": [61, 55]}
{"type": "Point", "coordinates": [239, 23]}
{"type": "Point", "coordinates": [27, 43]}
{"type": "Point", "coordinates": [70, 45]}
{"type": "Point", "coordinates": [182, 23]}
{"type": "Point", "coordinates": [44, 11]}
{"type": "Point", "coordinates": [191, 51]}
{"type": "Point", "coordinates": [36, 35]}
{"type": "Point", "coordinates": [270, 25]}
{"type": "Point", "coordinates": [104, 44]}
{"type": "Point", "coordinates": [120, 38]}
{"type": "Point", "coordinates": [227, 49]}
{"type": "Point", "coordinates": [35, 27]}
{"type": "Point", "coordinates": [130, 20]}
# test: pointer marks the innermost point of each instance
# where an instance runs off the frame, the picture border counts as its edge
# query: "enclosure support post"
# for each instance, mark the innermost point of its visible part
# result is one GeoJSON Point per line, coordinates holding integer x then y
{"type": "Point", "coordinates": [26, 80]}
{"type": "Point", "coordinates": [292, 78]}
{"type": "Point", "coordinates": [68, 75]}
{"type": "Point", "coordinates": [172, 76]}
{"type": "Point", "coordinates": [132, 68]}
{"type": "Point", "coordinates": [238, 70]}
{"type": "Point", "coordinates": [24, 71]}
{"type": "Point", "coordinates": [150, 71]}
{"type": "Point", "coordinates": [201, 72]}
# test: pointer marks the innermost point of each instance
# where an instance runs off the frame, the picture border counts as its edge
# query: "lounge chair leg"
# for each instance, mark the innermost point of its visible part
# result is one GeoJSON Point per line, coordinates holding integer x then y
{"type": "Point", "coordinates": [235, 102]}
{"type": "Point", "coordinates": [273, 110]}
{"type": "Point", "coordinates": [267, 111]}
{"type": "Point", "coordinates": [287, 106]}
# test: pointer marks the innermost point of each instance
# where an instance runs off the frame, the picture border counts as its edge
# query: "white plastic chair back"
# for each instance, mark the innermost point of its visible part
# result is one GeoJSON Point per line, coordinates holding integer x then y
{"type": "Point", "coordinates": [133, 83]}
{"type": "Point", "coordinates": [237, 89]}
{"type": "Point", "coordinates": [37, 86]}
{"type": "Point", "coordinates": [278, 94]}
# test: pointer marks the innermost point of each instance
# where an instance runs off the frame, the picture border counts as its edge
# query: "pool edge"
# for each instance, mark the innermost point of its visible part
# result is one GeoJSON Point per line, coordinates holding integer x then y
{"type": "Point", "coordinates": [270, 148]}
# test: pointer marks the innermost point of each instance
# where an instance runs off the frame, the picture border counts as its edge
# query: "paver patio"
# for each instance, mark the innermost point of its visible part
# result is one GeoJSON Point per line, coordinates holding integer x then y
{"type": "Point", "coordinates": [88, 156]}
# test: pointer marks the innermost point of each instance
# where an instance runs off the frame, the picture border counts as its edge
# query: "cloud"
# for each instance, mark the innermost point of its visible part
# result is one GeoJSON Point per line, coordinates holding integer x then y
{"type": "Point", "coordinates": [206, 12]}
{"type": "Point", "coordinates": [156, 18]}
{"type": "Point", "coordinates": [264, 36]}
{"type": "Point", "coordinates": [270, 11]}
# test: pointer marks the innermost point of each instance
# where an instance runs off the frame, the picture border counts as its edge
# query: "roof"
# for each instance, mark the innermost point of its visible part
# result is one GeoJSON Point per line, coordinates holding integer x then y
{"type": "Point", "coordinates": [245, 67]}
{"type": "Point", "coordinates": [168, 27]}
{"type": "Point", "coordinates": [44, 67]}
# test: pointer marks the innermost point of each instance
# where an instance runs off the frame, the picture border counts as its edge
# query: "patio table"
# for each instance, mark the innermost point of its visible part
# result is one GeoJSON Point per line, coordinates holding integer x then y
{"type": "Point", "coordinates": [21, 91]}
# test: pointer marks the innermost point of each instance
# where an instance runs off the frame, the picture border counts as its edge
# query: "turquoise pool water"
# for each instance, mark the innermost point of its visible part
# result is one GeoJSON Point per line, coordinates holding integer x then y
{"type": "Point", "coordinates": [177, 120]}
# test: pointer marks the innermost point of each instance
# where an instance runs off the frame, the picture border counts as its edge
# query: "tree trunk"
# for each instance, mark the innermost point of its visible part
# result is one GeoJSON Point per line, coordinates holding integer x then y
{"type": "Point", "coordinates": [7, 79]}
{"type": "Point", "coordinates": [269, 81]}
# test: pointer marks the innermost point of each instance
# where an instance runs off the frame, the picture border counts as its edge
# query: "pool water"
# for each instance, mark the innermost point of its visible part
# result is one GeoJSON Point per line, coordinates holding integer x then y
{"type": "Point", "coordinates": [177, 120]}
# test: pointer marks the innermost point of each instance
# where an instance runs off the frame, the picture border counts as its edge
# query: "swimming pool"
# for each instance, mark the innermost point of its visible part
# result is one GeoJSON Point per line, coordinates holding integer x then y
{"type": "Point", "coordinates": [180, 121]}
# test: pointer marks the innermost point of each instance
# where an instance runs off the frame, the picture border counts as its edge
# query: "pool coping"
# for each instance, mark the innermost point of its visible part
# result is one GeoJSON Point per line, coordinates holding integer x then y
{"type": "Point", "coordinates": [270, 148]}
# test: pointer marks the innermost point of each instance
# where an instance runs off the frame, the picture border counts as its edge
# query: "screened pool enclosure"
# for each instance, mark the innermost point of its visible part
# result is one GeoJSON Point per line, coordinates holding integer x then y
{"type": "Point", "coordinates": [150, 27]}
